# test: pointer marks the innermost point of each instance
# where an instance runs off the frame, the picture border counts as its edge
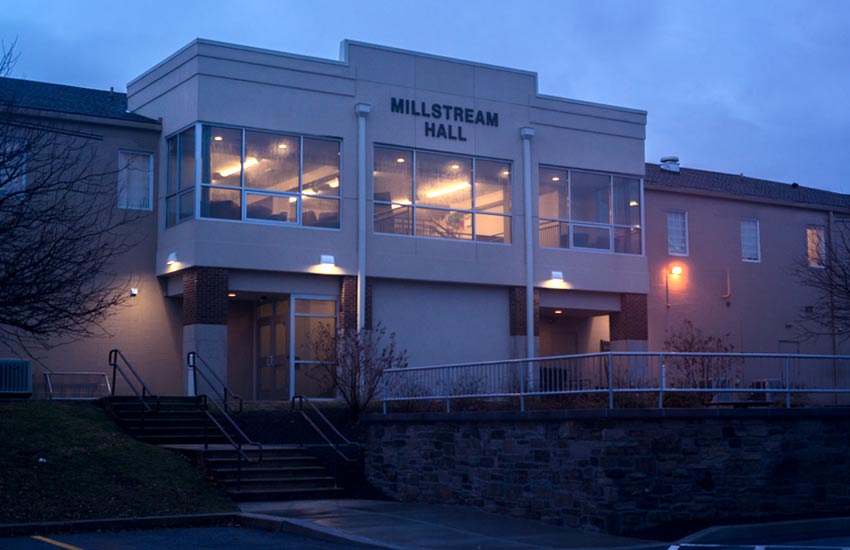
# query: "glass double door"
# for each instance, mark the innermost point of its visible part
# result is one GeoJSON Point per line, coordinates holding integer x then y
{"type": "Point", "coordinates": [291, 346]}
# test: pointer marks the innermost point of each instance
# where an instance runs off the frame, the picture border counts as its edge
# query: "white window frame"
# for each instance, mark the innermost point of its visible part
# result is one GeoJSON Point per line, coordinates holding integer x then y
{"type": "Point", "coordinates": [823, 259]}
{"type": "Point", "coordinates": [121, 170]}
{"type": "Point", "coordinates": [757, 259]}
{"type": "Point", "coordinates": [670, 251]}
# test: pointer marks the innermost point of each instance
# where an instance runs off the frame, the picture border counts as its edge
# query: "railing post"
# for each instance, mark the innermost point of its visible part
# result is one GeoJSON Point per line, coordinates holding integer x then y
{"type": "Point", "coordinates": [522, 386]}
{"type": "Point", "coordinates": [610, 381]}
{"type": "Point", "coordinates": [384, 382]}
{"type": "Point", "coordinates": [660, 380]}
{"type": "Point", "coordinates": [787, 382]}
{"type": "Point", "coordinates": [192, 382]}
{"type": "Point", "coordinates": [448, 385]}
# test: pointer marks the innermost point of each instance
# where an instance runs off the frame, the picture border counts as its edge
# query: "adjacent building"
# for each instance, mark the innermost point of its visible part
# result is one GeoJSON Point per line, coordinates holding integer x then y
{"type": "Point", "coordinates": [448, 201]}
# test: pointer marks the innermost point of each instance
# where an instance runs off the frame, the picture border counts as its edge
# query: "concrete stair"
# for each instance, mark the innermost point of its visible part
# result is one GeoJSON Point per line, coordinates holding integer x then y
{"type": "Point", "coordinates": [280, 472]}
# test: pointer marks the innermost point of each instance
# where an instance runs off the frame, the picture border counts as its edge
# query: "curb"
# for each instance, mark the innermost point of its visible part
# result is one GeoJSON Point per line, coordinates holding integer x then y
{"type": "Point", "coordinates": [274, 524]}
{"type": "Point", "coordinates": [768, 533]}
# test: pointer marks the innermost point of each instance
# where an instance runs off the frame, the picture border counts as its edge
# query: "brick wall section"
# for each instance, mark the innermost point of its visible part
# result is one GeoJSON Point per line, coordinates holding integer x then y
{"type": "Point", "coordinates": [348, 303]}
{"type": "Point", "coordinates": [620, 472]}
{"type": "Point", "coordinates": [630, 323]}
{"type": "Point", "coordinates": [205, 296]}
{"type": "Point", "coordinates": [517, 311]}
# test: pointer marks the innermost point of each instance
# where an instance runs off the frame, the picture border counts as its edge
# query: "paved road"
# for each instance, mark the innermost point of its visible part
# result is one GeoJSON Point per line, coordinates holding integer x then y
{"type": "Point", "coordinates": [200, 538]}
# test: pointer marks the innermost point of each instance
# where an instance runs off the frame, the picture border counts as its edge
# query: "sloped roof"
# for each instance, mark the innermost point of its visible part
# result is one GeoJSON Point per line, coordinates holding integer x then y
{"type": "Point", "coordinates": [45, 96]}
{"type": "Point", "coordinates": [740, 185]}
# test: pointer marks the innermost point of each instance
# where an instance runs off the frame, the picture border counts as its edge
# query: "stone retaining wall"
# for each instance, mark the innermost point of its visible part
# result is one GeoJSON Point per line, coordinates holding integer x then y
{"type": "Point", "coordinates": [622, 470]}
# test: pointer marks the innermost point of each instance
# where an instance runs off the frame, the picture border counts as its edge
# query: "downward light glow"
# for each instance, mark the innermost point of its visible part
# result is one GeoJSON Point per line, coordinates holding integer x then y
{"type": "Point", "coordinates": [439, 192]}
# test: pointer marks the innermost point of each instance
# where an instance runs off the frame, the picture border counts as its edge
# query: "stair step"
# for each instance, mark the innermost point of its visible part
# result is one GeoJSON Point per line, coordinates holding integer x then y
{"type": "Point", "coordinates": [255, 472]}
{"type": "Point", "coordinates": [284, 494]}
{"type": "Point", "coordinates": [172, 439]}
{"type": "Point", "coordinates": [281, 482]}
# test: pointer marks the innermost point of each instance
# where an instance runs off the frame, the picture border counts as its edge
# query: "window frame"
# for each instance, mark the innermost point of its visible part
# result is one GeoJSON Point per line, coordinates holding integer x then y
{"type": "Point", "coordinates": [571, 223]}
{"type": "Point", "coordinates": [687, 239]}
{"type": "Point", "coordinates": [757, 259]}
{"type": "Point", "coordinates": [472, 211]}
{"type": "Point", "coordinates": [244, 191]}
{"type": "Point", "coordinates": [150, 179]}
{"type": "Point", "coordinates": [821, 229]}
{"type": "Point", "coordinates": [179, 194]}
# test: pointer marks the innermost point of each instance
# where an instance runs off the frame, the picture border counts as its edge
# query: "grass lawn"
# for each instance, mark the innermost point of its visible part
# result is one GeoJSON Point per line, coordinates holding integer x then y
{"type": "Point", "coordinates": [67, 461]}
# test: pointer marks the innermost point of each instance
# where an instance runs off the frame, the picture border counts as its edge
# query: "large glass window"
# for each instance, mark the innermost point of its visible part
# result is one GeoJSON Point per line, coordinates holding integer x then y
{"type": "Point", "coordinates": [268, 177]}
{"type": "Point", "coordinates": [589, 210]}
{"type": "Point", "coordinates": [180, 184]}
{"type": "Point", "coordinates": [440, 195]}
{"type": "Point", "coordinates": [135, 180]}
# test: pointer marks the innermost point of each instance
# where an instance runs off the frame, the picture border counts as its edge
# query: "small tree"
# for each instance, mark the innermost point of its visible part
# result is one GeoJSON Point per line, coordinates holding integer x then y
{"type": "Point", "coordinates": [696, 371]}
{"type": "Point", "coordinates": [826, 270]}
{"type": "Point", "coordinates": [353, 362]}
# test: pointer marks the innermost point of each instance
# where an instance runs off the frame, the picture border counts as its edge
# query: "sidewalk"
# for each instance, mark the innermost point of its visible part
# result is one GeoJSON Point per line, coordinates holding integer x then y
{"type": "Point", "coordinates": [405, 526]}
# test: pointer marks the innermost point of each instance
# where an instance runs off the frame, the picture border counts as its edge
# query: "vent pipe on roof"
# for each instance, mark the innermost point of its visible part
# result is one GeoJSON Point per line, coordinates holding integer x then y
{"type": "Point", "coordinates": [670, 164]}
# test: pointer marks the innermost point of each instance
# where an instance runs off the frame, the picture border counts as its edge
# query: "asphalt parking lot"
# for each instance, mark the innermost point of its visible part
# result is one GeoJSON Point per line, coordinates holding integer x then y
{"type": "Point", "coordinates": [205, 538]}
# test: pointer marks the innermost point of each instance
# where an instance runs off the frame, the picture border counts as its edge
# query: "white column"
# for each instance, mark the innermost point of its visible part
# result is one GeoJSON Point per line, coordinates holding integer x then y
{"type": "Point", "coordinates": [362, 110]}
{"type": "Point", "coordinates": [526, 134]}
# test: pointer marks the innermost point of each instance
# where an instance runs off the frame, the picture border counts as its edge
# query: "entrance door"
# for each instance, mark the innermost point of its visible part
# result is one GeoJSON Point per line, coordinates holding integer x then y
{"type": "Point", "coordinates": [273, 364]}
{"type": "Point", "coordinates": [314, 327]}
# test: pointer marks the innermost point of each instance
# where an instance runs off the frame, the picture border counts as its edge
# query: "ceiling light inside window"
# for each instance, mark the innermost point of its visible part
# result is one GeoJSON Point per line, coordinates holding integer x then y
{"type": "Point", "coordinates": [334, 183]}
{"type": "Point", "coordinates": [310, 191]}
{"type": "Point", "coordinates": [218, 138]}
{"type": "Point", "coordinates": [234, 169]}
{"type": "Point", "coordinates": [633, 203]}
{"type": "Point", "coordinates": [282, 146]}
{"type": "Point", "coordinates": [400, 160]}
{"type": "Point", "coordinates": [505, 173]}
{"type": "Point", "coordinates": [556, 178]}
{"type": "Point", "coordinates": [455, 166]}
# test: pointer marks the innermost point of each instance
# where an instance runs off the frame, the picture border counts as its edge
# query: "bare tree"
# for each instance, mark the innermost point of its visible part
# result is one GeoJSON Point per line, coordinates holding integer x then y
{"type": "Point", "coordinates": [826, 270]}
{"type": "Point", "coordinates": [353, 362]}
{"type": "Point", "coordinates": [60, 230]}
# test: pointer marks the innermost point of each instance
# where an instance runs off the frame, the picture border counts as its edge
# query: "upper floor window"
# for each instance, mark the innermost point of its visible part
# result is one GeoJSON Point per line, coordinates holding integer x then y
{"type": "Point", "coordinates": [677, 233]}
{"type": "Point", "coordinates": [255, 176]}
{"type": "Point", "coordinates": [180, 179]}
{"type": "Point", "coordinates": [267, 177]}
{"type": "Point", "coordinates": [13, 166]}
{"type": "Point", "coordinates": [135, 180]}
{"type": "Point", "coordinates": [750, 242]}
{"type": "Point", "coordinates": [816, 245]}
{"type": "Point", "coordinates": [589, 210]}
{"type": "Point", "coordinates": [440, 195]}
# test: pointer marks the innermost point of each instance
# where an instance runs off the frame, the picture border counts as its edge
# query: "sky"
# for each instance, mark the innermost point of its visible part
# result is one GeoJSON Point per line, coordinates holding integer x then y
{"type": "Point", "coordinates": [748, 86]}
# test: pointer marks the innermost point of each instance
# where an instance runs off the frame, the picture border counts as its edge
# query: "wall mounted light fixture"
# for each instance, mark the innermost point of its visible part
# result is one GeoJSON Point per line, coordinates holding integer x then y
{"type": "Point", "coordinates": [172, 258]}
{"type": "Point", "coordinates": [327, 260]}
{"type": "Point", "coordinates": [134, 291]}
{"type": "Point", "coordinates": [557, 275]}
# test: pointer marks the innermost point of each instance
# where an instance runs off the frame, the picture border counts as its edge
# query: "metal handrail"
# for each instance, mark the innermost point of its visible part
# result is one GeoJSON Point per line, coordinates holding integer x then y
{"type": "Point", "coordinates": [48, 380]}
{"type": "Point", "coordinates": [114, 355]}
{"type": "Point", "coordinates": [658, 373]}
{"type": "Point", "coordinates": [237, 445]}
{"type": "Point", "coordinates": [193, 361]}
{"type": "Point", "coordinates": [301, 399]}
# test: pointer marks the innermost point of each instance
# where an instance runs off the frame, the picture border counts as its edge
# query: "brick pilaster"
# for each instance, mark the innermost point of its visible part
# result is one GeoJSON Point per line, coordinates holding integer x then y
{"type": "Point", "coordinates": [348, 303]}
{"type": "Point", "coordinates": [630, 323]}
{"type": "Point", "coordinates": [205, 296]}
{"type": "Point", "coordinates": [517, 311]}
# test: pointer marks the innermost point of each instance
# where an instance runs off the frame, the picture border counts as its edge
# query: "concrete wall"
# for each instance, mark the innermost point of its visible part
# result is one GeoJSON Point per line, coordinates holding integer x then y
{"type": "Point", "coordinates": [441, 323]}
{"type": "Point", "coordinates": [766, 298]}
{"type": "Point", "coordinates": [619, 471]}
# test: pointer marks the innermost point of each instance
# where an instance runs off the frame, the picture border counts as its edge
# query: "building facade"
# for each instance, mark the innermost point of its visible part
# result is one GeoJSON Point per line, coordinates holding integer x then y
{"type": "Point", "coordinates": [447, 201]}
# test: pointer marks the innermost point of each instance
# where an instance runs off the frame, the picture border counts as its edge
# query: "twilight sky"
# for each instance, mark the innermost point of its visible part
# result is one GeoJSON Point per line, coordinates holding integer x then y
{"type": "Point", "coordinates": [747, 86]}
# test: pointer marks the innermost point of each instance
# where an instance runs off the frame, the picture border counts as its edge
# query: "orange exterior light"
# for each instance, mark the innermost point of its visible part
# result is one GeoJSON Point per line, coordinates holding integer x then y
{"type": "Point", "coordinates": [676, 270]}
